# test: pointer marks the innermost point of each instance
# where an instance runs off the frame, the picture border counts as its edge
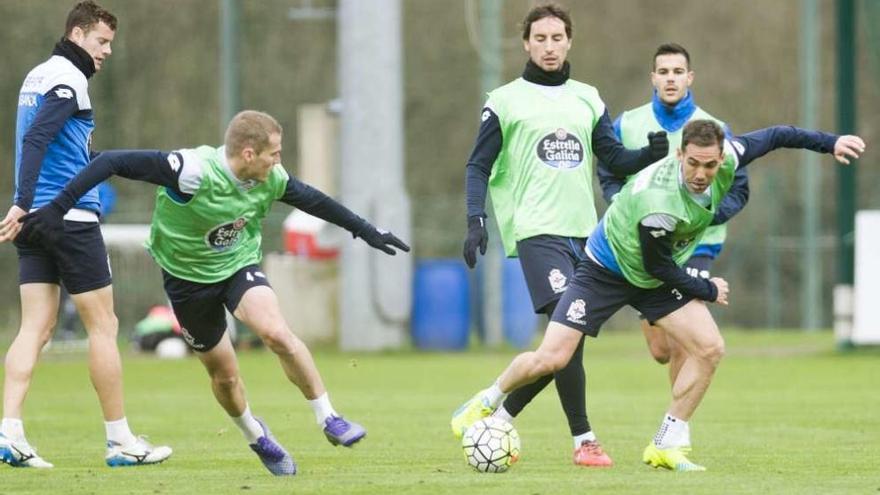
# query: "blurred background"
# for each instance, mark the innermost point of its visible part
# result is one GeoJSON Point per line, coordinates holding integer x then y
{"type": "Point", "coordinates": [171, 83]}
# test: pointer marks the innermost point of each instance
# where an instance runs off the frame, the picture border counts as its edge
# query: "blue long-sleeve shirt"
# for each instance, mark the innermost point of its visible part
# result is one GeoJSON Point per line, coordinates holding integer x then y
{"type": "Point", "coordinates": [53, 130]}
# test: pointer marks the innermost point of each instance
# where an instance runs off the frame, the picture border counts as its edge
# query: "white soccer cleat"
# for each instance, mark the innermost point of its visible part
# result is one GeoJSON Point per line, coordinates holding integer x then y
{"type": "Point", "coordinates": [20, 454]}
{"type": "Point", "coordinates": [139, 453]}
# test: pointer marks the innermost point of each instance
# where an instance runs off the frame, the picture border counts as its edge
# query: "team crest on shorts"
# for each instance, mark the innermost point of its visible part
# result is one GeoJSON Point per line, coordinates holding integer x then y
{"type": "Point", "coordinates": [225, 236]}
{"type": "Point", "coordinates": [558, 282]}
{"type": "Point", "coordinates": [190, 340]}
{"type": "Point", "coordinates": [576, 312]}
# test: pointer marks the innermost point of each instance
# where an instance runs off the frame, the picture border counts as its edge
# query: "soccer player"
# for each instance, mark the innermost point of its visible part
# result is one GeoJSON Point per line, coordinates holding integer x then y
{"type": "Point", "coordinates": [53, 131]}
{"type": "Point", "coordinates": [534, 154]}
{"type": "Point", "coordinates": [671, 107]}
{"type": "Point", "coordinates": [206, 236]}
{"type": "Point", "coordinates": [635, 257]}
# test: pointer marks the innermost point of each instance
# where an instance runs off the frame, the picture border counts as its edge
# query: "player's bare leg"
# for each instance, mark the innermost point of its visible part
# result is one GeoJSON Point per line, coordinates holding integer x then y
{"type": "Point", "coordinates": [663, 349]}
{"type": "Point", "coordinates": [259, 310]}
{"type": "Point", "coordinates": [39, 310]}
{"type": "Point", "coordinates": [658, 343]}
{"type": "Point", "coordinates": [39, 313]}
{"type": "Point", "coordinates": [95, 309]}
{"type": "Point", "coordinates": [693, 329]}
{"type": "Point", "coordinates": [677, 358]}
{"type": "Point", "coordinates": [228, 387]}
{"type": "Point", "coordinates": [555, 351]}
{"type": "Point", "coordinates": [226, 383]}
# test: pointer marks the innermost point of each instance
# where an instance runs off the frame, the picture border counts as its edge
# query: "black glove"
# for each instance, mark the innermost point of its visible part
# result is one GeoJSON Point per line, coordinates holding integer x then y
{"type": "Point", "coordinates": [44, 225]}
{"type": "Point", "coordinates": [658, 144]}
{"type": "Point", "coordinates": [477, 236]}
{"type": "Point", "coordinates": [381, 239]}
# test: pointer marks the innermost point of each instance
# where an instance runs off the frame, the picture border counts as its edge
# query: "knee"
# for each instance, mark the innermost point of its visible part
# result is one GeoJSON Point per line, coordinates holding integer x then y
{"type": "Point", "coordinates": [660, 355]}
{"type": "Point", "coordinates": [279, 340]}
{"type": "Point", "coordinates": [42, 333]}
{"type": "Point", "coordinates": [105, 327]}
{"type": "Point", "coordinates": [546, 363]}
{"type": "Point", "coordinates": [712, 352]}
{"type": "Point", "coordinates": [659, 351]}
{"type": "Point", "coordinates": [658, 345]}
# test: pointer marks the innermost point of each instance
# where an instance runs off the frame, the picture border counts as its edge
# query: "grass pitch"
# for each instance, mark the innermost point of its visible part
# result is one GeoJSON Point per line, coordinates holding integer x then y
{"type": "Point", "coordinates": [786, 414]}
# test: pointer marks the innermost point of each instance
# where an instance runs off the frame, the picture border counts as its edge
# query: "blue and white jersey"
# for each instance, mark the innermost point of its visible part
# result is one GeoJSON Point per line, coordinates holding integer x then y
{"type": "Point", "coordinates": [52, 134]}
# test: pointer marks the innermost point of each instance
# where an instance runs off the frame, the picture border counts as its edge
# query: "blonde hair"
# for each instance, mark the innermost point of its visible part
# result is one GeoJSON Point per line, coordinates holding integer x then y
{"type": "Point", "coordinates": [250, 128]}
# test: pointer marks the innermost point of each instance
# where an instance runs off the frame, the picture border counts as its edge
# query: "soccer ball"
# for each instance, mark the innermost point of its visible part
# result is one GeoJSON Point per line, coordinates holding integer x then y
{"type": "Point", "coordinates": [491, 445]}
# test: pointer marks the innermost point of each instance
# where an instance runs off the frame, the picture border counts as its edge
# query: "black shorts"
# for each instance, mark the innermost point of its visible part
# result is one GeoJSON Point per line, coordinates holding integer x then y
{"type": "Point", "coordinates": [596, 293]}
{"type": "Point", "coordinates": [200, 307]}
{"type": "Point", "coordinates": [548, 263]}
{"type": "Point", "coordinates": [699, 266]}
{"type": "Point", "coordinates": [79, 260]}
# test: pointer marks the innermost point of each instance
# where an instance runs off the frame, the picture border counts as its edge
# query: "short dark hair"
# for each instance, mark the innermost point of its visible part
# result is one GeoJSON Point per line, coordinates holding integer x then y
{"type": "Point", "coordinates": [543, 10]}
{"type": "Point", "coordinates": [85, 15]}
{"type": "Point", "coordinates": [702, 132]}
{"type": "Point", "coordinates": [671, 49]}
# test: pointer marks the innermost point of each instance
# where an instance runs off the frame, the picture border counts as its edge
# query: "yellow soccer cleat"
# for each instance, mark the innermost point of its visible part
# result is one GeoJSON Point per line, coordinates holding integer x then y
{"type": "Point", "coordinates": [469, 413]}
{"type": "Point", "coordinates": [673, 458]}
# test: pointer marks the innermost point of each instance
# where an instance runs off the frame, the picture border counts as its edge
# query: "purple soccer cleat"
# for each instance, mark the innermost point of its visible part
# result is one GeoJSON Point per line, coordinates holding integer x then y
{"type": "Point", "coordinates": [272, 454]}
{"type": "Point", "coordinates": [341, 432]}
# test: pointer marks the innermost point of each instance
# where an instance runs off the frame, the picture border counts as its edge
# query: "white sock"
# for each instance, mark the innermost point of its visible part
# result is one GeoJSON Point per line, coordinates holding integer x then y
{"type": "Point", "coordinates": [584, 437]}
{"type": "Point", "coordinates": [322, 407]}
{"type": "Point", "coordinates": [118, 431]}
{"type": "Point", "coordinates": [673, 432]}
{"type": "Point", "coordinates": [493, 396]}
{"type": "Point", "coordinates": [13, 429]}
{"type": "Point", "coordinates": [248, 425]}
{"type": "Point", "coordinates": [501, 413]}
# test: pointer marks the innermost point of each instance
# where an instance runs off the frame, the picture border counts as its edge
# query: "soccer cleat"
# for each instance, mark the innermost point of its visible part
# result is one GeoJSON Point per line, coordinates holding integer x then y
{"type": "Point", "coordinates": [469, 413]}
{"type": "Point", "coordinates": [342, 432]}
{"type": "Point", "coordinates": [20, 454]}
{"type": "Point", "coordinates": [673, 458]}
{"type": "Point", "coordinates": [590, 454]}
{"type": "Point", "coordinates": [272, 454]}
{"type": "Point", "coordinates": [140, 453]}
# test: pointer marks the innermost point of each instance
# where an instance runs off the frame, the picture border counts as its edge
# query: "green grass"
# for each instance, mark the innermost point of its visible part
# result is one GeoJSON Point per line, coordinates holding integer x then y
{"type": "Point", "coordinates": [786, 414]}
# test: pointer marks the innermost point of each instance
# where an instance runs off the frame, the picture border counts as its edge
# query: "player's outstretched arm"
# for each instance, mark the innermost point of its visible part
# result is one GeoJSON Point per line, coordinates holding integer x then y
{"type": "Point", "coordinates": [755, 144]}
{"type": "Point", "coordinates": [314, 202]}
{"type": "Point", "coordinates": [46, 223]}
